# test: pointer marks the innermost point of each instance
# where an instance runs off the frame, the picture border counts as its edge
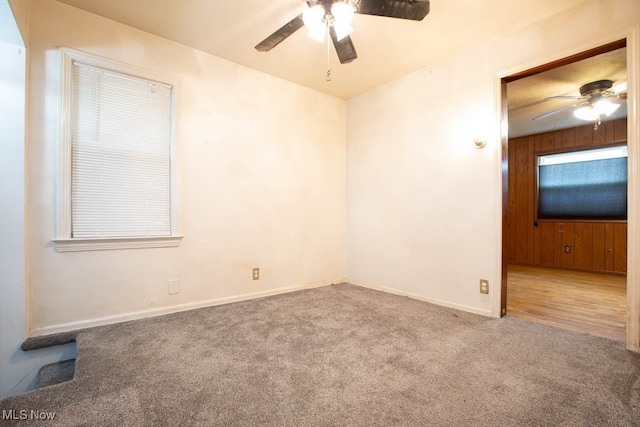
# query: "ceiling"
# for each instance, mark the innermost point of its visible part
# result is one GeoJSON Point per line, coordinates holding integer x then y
{"type": "Point", "coordinates": [526, 97]}
{"type": "Point", "coordinates": [387, 48]}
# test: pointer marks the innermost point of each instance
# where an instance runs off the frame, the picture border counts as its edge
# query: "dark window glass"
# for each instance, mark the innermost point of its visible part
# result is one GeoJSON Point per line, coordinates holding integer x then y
{"type": "Point", "coordinates": [583, 185]}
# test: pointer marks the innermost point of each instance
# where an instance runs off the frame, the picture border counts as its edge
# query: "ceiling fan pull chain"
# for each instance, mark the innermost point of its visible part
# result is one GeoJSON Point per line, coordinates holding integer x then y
{"type": "Point", "coordinates": [328, 77]}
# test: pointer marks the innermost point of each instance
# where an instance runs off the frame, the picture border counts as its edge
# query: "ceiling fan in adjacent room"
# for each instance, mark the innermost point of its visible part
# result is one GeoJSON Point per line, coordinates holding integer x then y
{"type": "Point", "coordinates": [597, 100]}
{"type": "Point", "coordinates": [334, 17]}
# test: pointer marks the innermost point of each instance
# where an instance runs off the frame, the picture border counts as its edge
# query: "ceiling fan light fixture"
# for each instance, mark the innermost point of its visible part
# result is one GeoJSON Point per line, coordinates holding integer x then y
{"type": "Point", "coordinates": [606, 107]}
{"type": "Point", "coordinates": [596, 110]}
{"type": "Point", "coordinates": [317, 33]}
{"type": "Point", "coordinates": [342, 12]}
{"type": "Point", "coordinates": [313, 18]}
{"type": "Point", "coordinates": [342, 30]}
{"type": "Point", "coordinates": [586, 113]}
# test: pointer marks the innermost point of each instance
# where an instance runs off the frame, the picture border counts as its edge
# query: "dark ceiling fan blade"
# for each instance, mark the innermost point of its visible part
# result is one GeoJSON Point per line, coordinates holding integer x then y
{"type": "Point", "coordinates": [344, 48]}
{"type": "Point", "coordinates": [559, 110]}
{"type": "Point", "coordinates": [403, 9]}
{"type": "Point", "coordinates": [280, 34]}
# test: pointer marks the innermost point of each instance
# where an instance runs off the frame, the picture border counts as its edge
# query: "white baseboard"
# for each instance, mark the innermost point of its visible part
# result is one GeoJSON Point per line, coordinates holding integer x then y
{"type": "Point", "coordinates": [633, 348]}
{"type": "Point", "coordinates": [159, 311]}
{"type": "Point", "coordinates": [475, 310]}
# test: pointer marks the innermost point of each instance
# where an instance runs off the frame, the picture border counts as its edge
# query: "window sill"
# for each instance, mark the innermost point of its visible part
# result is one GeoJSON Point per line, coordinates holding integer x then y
{"type": "Point", "coordinates": [79, 245]}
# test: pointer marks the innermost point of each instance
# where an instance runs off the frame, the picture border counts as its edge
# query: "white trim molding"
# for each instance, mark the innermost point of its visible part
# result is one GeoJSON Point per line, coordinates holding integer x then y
{"type": "Point", "coordinates": [633, 223]}
{"type": "Point", "coordinates": [418, 297]}
{"type": "Point", "coordinates": [77, 245]}
{"type": "Point", "coordinates": [63, 240]}
{"type": "Point", "coordinates": [160, 311]}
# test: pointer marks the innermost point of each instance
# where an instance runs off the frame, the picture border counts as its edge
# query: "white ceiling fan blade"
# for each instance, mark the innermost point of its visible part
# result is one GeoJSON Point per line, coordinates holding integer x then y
{"type": "Point", "coordinates": [562, 97]}
{"type": "Point", "coordinates": [551, 113]}
{"type": "Point", "coordinates": [619, 88]}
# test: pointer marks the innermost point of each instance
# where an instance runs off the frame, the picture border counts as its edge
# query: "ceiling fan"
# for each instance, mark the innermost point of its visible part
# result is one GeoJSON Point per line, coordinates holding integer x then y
{"type": "Point", "coordinates": [334, 17]}
{"type": "Point", "coordinates": [597, 99]}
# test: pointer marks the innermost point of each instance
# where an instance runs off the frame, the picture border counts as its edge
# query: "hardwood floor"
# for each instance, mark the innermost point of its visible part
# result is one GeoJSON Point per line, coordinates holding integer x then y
{"type": "Point", "coordinates": [585, 302]}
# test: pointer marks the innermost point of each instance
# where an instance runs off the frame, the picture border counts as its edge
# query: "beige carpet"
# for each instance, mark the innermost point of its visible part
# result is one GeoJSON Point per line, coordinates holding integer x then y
{"type": "Point", "coordinates": [340, 355]}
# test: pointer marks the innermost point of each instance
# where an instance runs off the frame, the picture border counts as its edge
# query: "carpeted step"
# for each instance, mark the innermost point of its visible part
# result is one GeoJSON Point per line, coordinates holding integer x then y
{"type": "Point", "coordinates": [34, 343]}
{"type": "Point", "coordinates": [56, 373]}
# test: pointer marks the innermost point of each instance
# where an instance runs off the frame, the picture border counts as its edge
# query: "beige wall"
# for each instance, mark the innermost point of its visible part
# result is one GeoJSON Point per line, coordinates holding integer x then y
{"type": "Point", "coordinates": [420, 197]}
{"type": "Point", "coordinates": [423, 205]}
{"type": "Point", "coordinates": [261, 172]}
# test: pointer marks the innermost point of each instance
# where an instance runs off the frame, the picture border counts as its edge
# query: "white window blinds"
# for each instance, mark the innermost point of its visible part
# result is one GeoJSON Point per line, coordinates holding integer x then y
{"type": "Point", "coordinates": [121, 155]}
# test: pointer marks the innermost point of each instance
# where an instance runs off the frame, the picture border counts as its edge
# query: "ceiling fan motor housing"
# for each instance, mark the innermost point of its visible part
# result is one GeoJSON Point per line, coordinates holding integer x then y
{"type": "Point", "coordinates": [596, 87]}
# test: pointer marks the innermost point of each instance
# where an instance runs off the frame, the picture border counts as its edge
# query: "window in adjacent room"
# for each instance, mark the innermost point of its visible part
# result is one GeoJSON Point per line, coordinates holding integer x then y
{"type": "Point", "coordinates": [117, 169]}
{"type": "Point", "coordinates": [583, 185]}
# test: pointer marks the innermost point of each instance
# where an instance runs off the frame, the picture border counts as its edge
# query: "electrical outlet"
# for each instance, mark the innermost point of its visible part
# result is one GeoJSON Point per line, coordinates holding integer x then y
{"type": "Point", "coordinates": [567, 249]}
{"type": "Point", "coordinates": [174, 286]}
{"type": "Point", "coordinates": [256, 274]}
{"type": "Point", "coordinates": [484, 286]}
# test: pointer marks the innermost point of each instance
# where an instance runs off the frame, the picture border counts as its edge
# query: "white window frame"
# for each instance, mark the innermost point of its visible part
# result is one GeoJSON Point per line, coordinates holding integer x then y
{"type": "Point", "coordinates": [64, 242]}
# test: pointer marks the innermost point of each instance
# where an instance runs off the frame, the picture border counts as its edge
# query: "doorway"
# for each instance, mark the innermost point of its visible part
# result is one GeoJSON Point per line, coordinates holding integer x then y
{"type": "Point", "coordinates": [569, 271]}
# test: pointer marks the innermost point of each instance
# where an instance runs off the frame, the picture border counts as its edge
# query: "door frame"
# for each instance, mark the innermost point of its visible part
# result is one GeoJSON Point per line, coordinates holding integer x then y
{"type": "Point", "coordinates": [631, 37]}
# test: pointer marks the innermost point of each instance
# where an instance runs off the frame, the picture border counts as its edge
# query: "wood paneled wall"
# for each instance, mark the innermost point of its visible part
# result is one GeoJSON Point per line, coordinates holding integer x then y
{"type": "Point", "coordinates": [579, 245]}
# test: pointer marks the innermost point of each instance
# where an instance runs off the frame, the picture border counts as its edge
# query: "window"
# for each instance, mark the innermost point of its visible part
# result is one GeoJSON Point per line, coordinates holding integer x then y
{"type": "Point", "coordinates": [588, 184]}
{"type": "Point", "coordinates": [117, 173]}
